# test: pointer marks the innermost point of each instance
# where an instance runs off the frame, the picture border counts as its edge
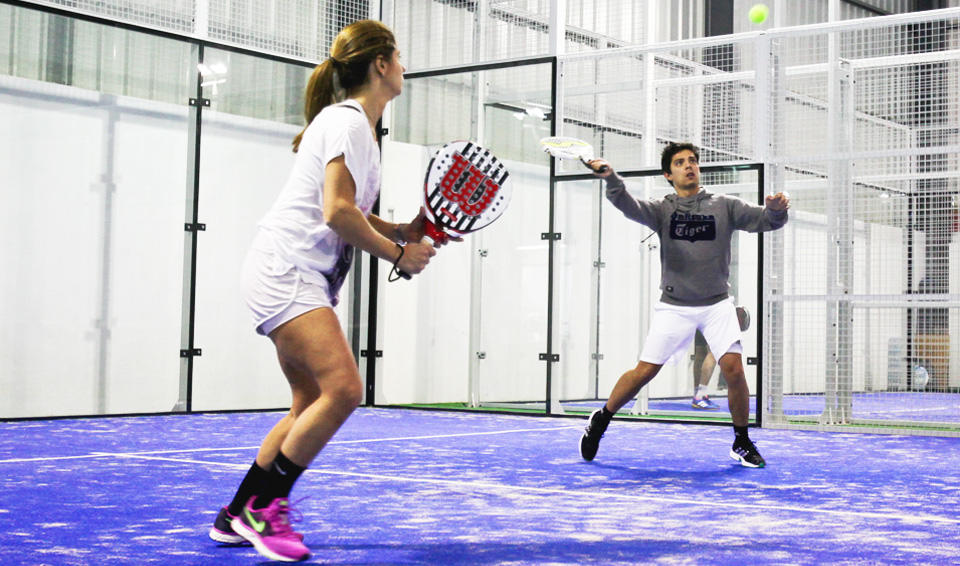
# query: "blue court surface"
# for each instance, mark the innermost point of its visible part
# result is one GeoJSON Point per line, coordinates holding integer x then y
{"type": "Point", "coordinates": [423, 487]}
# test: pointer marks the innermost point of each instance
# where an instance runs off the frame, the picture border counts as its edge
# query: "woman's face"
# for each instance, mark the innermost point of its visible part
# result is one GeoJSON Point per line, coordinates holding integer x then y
{"type": "Point", "coordinates": [393, 74]}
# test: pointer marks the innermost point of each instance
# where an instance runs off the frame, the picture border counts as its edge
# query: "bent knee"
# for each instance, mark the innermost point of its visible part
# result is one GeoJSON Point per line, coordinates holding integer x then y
{"type": "Point", "coordinates": [346, 390]}
{"type": "Point", "coordinates": [735, 377]}
{"type": "Point", "coordinates": [646, 370]}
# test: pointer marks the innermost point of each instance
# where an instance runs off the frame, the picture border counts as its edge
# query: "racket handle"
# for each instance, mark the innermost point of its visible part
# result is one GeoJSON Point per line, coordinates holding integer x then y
{"type": "Point", "coordinates": [432, 236]}
{"type": "Point", "coordinates": [602, 169]}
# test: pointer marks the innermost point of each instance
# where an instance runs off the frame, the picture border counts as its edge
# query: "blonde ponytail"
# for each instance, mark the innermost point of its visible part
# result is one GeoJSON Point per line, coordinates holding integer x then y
{"type": "Point", "coordinates": [319, 95]}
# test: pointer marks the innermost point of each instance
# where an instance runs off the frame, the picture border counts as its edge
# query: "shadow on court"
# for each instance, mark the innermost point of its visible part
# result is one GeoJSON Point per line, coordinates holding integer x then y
{"type": "Point", "coordinates": [660, 473]}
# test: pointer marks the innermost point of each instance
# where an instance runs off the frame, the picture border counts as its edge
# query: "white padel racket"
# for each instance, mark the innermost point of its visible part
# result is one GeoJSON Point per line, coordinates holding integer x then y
{"type": "Point", "coordinates": [570, 148]}
{"type": "Point", "coordinates": [466, 188]}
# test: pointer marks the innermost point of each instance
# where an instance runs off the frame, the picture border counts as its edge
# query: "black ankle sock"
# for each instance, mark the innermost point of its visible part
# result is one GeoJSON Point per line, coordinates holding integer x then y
{"type": "Point", "coordinates": [252, 484]}
{"type": "Point", "coordinates": [605, 413]}
{"type": "Point", "coordinates": [740, 432]}
{"type": "Point", "coordinates": [280, 479]}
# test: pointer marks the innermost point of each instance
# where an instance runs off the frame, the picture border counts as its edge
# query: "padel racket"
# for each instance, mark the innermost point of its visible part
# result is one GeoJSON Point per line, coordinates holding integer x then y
{"type": "Point", "coordinates": [466, 188]}
{"type": "Point", "coordinates": [743, 317]}
{"type": "Point", "coordinates": [571, 148]}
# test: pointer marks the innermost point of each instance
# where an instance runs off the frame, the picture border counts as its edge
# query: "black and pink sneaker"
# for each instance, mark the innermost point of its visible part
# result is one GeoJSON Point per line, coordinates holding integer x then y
{"type": "Point", "coordinates": [222, 532]}
{"type": "Point", "coordinates": [269, 531]}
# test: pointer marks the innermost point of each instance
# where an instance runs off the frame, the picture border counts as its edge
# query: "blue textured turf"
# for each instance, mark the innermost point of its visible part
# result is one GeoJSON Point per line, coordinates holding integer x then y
{"type": "Point", "coordinates": [421, 487]}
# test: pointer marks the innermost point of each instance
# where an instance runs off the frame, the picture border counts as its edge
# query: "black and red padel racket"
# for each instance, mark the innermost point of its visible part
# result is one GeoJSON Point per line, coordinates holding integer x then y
{"type": "Point", "coordinates": [466, 188]}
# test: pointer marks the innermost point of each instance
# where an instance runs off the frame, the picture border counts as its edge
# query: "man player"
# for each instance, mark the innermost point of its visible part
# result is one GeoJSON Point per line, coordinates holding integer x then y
{"type": "Point", "coordinates": [694, 227]}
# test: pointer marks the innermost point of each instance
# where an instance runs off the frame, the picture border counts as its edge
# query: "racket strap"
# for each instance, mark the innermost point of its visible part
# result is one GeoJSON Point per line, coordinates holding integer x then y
{"type": "Point", "coordinates": [395, 273]}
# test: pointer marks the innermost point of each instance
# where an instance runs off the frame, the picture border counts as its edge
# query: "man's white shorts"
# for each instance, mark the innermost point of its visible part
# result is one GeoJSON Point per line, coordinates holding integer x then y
{"type": "Point", "coordinates": [673, 327]}
{"type": "Point", "coordinates": [274, 289]}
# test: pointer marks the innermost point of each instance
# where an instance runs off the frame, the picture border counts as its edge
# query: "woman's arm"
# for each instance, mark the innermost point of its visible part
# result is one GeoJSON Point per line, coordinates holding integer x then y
{"type": "Point", "coordinates": [389, 230]}
{"type": "Point", "coordinates": [342, 215]}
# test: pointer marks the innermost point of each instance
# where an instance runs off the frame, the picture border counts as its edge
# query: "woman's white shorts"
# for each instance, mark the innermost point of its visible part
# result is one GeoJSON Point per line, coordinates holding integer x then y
{"type": "Point", "coordinates": [274, 289]}
{"type": "Point", "coordinates": [673, 327]}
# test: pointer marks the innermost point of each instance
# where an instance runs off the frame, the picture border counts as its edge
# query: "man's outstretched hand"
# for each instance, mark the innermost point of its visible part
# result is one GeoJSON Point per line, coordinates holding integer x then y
{"type": "Point", "coordinates": [778, 202]}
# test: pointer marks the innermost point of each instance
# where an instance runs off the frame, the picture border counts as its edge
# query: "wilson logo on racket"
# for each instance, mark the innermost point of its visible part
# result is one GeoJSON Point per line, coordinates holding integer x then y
{"type": "Point", "coordinates": [468, 187]}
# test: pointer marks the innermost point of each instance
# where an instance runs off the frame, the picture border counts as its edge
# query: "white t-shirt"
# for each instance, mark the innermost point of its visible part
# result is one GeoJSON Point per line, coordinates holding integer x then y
{"type": "Point", "coordinates": [296, 222]}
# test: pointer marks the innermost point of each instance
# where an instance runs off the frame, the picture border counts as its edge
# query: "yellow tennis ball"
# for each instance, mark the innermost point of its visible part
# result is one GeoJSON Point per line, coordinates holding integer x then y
{"type": "Point", "coordinates": [758, 13]}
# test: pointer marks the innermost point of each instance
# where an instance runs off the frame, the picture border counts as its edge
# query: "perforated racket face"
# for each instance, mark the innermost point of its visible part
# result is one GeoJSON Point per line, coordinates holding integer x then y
{"type": "Point", "coordinates": [466, 188]}
{"type": "Point", "coordinates": [567, 148]}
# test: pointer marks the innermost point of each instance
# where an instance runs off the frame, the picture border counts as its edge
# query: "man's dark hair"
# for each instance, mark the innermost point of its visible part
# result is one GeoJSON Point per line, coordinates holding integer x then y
{"type": "Point", "coordinates": [674, 148]}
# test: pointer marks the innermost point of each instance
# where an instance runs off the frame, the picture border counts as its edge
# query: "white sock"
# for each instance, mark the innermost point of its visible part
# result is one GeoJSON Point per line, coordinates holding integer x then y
{"type": "Point", "coordinates": [700, 392]}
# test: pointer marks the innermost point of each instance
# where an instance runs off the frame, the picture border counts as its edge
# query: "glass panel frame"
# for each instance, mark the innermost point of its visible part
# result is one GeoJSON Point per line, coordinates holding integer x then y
{"type": "Point", "coordinates": [458, 355]}
{"type": "Point", "coordinates": [245, 159]}
{"type": "Point", "coordinates": [105, 167]}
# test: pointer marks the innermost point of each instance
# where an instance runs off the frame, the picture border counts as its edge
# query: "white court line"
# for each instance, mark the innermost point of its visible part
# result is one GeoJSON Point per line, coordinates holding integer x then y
{"type": "Point", "coordinates": [367, 440]}
{"type": "Point", "coordinates": [589, 494]}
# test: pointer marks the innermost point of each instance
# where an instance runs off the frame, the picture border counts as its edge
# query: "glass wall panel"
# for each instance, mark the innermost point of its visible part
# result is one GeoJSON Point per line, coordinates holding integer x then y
{"type": "Point", "coordinates": [146, 256]}
{"type": "Point", "coordinates": [469, 329]}
{"type": "Point", "coordinates": [92, 215]}
{"type": "Point", "coordinates": [245, 158]}
{"type": "Point", "coordinates": [618, 267]}
{"type": "Point", "coordinates": [578, 219]}
{"type": "Point", "coordinates": [514, 295]}
{"type": "Point", "coordinates": [626, 291]}
{"type": "Point", "coordinates": [424, 323]}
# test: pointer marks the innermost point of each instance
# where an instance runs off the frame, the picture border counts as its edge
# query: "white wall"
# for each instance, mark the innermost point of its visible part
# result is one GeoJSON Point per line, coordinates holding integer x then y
{"type": "Point", "coordinates": [61, 148]}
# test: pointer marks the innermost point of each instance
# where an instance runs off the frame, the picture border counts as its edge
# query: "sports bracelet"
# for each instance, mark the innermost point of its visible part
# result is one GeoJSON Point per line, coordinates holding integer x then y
{"type": "Point", "coordinates": [395, 272]}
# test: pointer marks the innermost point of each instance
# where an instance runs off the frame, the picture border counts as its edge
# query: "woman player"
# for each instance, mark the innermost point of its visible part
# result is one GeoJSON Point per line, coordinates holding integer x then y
{"type": "Point", "coordinates": [294, 269]}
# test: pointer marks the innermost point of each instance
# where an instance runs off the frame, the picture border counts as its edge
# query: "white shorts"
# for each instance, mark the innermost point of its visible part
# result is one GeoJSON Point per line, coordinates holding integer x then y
{"type": "Point", "coordinates": [673, 327]}
{"type": "Point", "coordinates": [274, 289]}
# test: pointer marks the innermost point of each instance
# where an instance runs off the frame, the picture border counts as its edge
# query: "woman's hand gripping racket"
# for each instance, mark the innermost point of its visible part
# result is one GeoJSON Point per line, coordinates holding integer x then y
{"type": "Point", "coordinates": [466, 188]}
{"type": "Point", "coordinates": [571, 148]}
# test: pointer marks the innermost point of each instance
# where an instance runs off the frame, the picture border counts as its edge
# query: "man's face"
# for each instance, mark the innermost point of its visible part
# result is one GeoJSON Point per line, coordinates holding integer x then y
{"type": "Point", "coordinates": [684, 170]}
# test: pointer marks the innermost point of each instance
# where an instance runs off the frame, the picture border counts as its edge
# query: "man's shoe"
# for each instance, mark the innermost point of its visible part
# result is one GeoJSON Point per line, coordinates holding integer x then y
{"type": "Point", "coordinates": [269, 531]}
{"type": "Point", "coordinates": [746, 453]}
{"type": "Point", "coordinates": [590, 441]}
{"type": "Point", "coordinates": [221, 531]}
{"type": "Point", "coordinates": [704, 403]}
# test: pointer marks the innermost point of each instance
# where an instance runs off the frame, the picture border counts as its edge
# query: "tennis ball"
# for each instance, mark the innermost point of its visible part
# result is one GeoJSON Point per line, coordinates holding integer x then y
{"type": "Point", "coordinates": [758, 13]}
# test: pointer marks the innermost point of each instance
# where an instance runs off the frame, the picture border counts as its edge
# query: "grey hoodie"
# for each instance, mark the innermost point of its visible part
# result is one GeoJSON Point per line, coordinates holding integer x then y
{"type": "Point", "coordinates": [694, 236]}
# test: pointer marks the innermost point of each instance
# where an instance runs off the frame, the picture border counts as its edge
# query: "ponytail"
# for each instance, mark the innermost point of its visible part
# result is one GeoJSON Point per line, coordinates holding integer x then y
{"type": "Point", "coordinates": [319, 95]}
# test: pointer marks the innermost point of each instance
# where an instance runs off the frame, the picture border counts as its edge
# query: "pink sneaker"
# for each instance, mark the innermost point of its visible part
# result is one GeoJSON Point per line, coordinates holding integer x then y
{"type": "Point", "coordinates": [269, 531]}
